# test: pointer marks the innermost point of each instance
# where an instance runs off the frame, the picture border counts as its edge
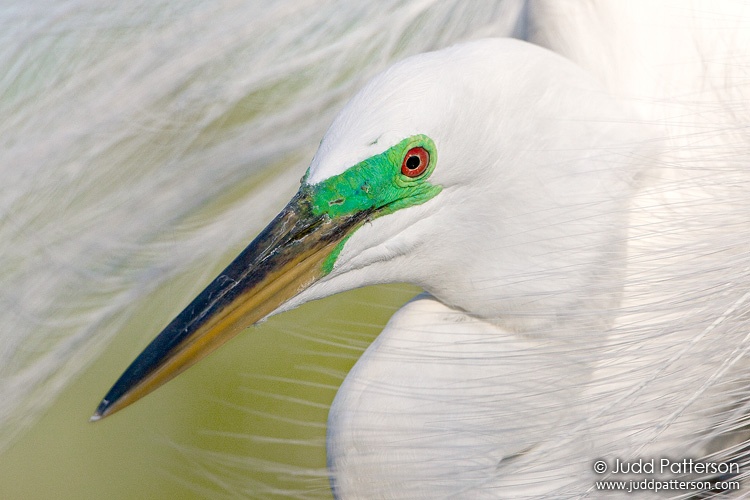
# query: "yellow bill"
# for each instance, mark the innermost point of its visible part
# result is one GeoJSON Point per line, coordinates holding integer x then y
{"type": "Point", "coordinates": [286, 258]}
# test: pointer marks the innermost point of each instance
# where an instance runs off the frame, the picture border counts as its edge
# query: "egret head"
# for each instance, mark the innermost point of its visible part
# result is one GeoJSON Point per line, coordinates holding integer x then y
{"type": "Point", "coordinates": [494, 174]}
{"type": "Point", "coordinates": [525, 171]}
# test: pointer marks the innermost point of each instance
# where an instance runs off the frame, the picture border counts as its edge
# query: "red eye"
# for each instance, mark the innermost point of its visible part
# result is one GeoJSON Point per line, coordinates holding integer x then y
{"type": "Point", "coordinates": [415, 162]}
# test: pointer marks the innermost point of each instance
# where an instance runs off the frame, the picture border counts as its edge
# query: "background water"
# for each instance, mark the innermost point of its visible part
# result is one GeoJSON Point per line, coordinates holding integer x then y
{"type": "Point", "coordinates": [142, 146]}
{"type": "Point", "coordinates": [249, 421]}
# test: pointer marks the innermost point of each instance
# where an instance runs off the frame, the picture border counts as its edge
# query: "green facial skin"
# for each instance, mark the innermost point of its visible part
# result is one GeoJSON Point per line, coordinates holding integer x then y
{"type": "Point", "coordinates": [375, 185]}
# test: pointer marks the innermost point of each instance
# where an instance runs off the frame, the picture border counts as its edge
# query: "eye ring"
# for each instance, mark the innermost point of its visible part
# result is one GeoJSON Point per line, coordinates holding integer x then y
{"type": "Point", "coordinates": [415, 162]}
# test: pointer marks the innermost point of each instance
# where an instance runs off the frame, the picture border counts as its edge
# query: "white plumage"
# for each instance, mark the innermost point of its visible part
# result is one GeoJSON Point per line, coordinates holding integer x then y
{"type": "Point", "coordinates": [525, 366]}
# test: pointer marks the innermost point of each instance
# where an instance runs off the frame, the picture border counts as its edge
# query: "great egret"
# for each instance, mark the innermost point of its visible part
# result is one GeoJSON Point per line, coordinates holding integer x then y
{"type": "Point", "coordinates": [423, 178]}
{"type": "Point", "coordinates": [684, 271]}
{"type": "Point", "coordinates": [499, 178]}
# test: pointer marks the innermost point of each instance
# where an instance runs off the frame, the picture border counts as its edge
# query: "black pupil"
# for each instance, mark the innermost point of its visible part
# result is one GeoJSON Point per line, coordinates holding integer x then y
{"type": "Point", "coordinates": [412, 163]}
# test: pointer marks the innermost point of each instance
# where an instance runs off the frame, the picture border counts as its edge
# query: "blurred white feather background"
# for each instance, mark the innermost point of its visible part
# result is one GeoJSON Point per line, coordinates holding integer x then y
{"type": "Point", "coordinates": [137, 137]}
